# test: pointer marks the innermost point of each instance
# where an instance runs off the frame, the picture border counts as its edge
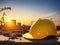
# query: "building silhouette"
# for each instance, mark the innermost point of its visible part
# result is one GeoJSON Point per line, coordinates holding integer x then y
{"type": "Point", "coordinates": [10, 26]}
{"type": "Point", "coordinates": [25, 28]}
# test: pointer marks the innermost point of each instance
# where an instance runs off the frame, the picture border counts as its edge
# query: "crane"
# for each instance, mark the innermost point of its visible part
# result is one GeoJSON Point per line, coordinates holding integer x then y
{"type": "Point", "coordinates": [5, 8]}
{"type": "Point", "coordinates": [2, 21]}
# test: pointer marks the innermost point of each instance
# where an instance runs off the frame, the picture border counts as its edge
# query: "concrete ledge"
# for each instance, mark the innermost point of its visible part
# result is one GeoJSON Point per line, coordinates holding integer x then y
{"type": "Point", "coordinates": [28, 43]}
{"type": "Point", "coordinates": [31, 42]}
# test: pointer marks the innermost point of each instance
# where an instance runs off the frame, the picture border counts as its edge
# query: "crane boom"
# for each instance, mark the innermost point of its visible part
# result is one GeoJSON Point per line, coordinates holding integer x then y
{"type": "Point", "coordinates": [5, 8]}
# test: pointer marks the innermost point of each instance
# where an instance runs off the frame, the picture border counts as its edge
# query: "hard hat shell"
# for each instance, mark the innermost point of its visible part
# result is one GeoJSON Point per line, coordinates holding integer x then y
{"type": "Point", "coordinates": [41, 29]}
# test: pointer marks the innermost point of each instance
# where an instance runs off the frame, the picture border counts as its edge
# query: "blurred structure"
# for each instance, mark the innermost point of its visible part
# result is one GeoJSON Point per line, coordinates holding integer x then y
{"type": "Point", "coordinates": [25, 28]}
{"type": "Point", "coordinates": [18, 26]}
{"type": "Point", "coordinates": [2, 9]}
{"type": "Point", "coordinates": [5, 8]}
{"type": "Point", "coordinates": [2, 20]}
{"type": "Point", "coordinates": [11, 26]}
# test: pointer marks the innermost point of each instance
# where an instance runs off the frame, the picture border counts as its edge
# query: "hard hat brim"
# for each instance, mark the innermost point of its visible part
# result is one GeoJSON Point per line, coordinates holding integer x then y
{"type": "Point", "coordinates": [28, 36]}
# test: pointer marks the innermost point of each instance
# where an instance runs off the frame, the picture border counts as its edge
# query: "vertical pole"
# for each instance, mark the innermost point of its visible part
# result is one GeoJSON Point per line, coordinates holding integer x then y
{"type": "Point", "coordinates": [3, 17]}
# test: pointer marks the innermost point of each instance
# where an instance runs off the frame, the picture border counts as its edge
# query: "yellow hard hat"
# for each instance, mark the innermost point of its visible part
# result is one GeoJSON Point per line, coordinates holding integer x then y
{"type": "Point", "coordinates": [41, 29]}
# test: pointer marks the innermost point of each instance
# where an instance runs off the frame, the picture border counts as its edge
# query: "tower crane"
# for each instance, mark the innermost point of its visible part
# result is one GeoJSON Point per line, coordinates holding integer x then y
{"type": "Point", "coordinates": [2, 21]}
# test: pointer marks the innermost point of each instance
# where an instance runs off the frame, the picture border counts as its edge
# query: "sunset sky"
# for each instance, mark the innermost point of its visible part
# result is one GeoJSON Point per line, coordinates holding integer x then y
{"type": "Point", "coordinates": [25, 11]}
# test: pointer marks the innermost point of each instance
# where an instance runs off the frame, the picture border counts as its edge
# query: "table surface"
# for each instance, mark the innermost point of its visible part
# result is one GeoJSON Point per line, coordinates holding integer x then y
{"type": "Point", "coordinates": [24, 41]}
{"type": "Point", "coordinates": [3, 38]}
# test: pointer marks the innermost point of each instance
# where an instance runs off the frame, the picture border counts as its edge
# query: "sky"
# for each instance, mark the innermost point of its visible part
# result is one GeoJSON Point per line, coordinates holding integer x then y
{"type": "Point", "coordinates": [25, 11]}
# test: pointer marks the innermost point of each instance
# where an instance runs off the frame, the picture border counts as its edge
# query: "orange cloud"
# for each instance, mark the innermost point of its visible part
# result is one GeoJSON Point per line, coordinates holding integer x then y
{"type": "Point", "coordinates": [56, 21]}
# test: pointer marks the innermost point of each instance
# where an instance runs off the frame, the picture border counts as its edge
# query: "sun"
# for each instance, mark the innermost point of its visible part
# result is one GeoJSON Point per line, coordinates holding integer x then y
{"type": "Point", "coordinates": [8, 20]}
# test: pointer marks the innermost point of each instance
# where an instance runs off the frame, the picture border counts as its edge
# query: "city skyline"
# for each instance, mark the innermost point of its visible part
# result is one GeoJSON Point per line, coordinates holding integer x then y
{"type": "Point", "coordinates": [25, 11]}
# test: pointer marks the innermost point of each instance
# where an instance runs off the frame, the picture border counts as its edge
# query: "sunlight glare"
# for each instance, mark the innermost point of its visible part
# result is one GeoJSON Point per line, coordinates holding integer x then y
{"type": "Point", "coordinates": [8, 20]}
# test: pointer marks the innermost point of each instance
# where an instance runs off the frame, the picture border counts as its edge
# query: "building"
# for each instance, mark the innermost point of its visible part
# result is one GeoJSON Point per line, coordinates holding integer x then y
{"type": "Point", "coordinates": [18, 26]}
{"type": "Point", "coordinates": [11, 25]}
